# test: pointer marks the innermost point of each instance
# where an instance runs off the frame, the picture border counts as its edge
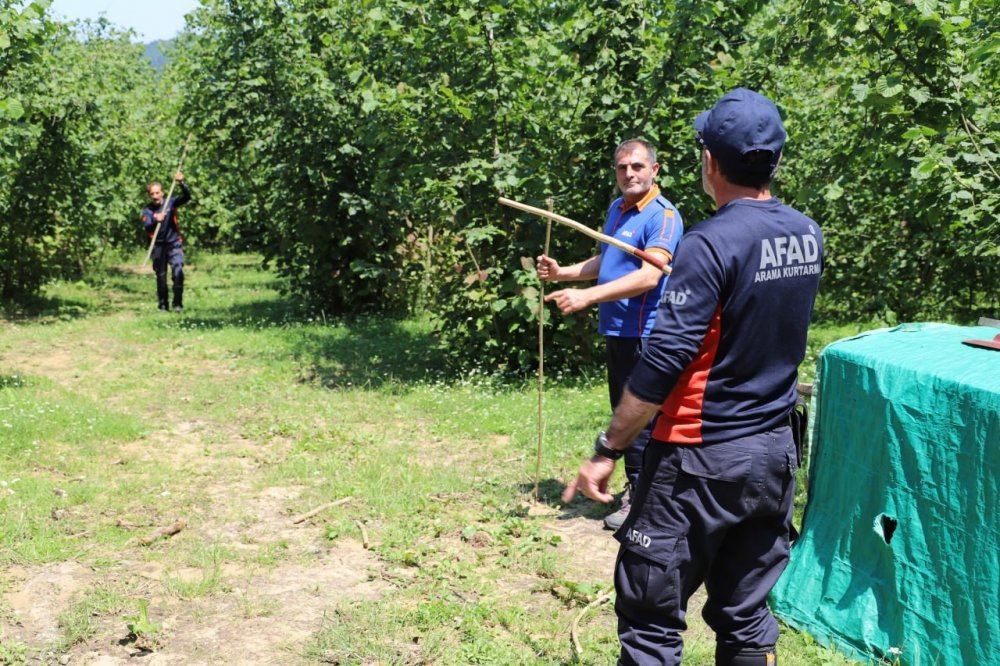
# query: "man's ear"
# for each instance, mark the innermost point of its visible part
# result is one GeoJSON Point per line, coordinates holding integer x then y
{"type": "Point", "coordinates": [711, 166]}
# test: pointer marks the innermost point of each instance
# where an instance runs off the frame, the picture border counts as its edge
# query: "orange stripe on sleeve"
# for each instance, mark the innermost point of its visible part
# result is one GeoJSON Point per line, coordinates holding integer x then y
{"type": "Point", "coordinates": [669, 226]}
{"type": "Point", "coordinates": [681, 414]}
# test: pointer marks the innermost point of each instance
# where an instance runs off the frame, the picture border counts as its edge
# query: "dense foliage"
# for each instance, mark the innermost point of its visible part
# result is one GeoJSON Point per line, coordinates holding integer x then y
{"type": "Point", "coordinates": [74, 129]}
{"type": "Point", "coordinates": [895, 150]}
{"type": "Point", "coordinates": [361, 146]}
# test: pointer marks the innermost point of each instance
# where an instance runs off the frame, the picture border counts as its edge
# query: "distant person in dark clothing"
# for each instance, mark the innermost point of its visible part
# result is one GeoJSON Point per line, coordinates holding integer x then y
{"type": "Point", "coordinates": [167, 248]}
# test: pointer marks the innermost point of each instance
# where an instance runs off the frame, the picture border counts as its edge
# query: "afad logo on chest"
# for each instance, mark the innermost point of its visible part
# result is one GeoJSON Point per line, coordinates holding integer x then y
{"type": "Point", "coordinates": [788, 256]}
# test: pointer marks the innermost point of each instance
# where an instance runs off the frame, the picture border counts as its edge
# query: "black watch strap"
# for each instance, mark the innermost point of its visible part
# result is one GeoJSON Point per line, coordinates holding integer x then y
{"type": "Point", "coordinates": [601, 447]}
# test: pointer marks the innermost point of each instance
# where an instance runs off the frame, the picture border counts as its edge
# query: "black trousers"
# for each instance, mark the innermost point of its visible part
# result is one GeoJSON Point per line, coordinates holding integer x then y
{"type": "Point", "coordinates": [172, 256]}
{"type": "Point", "coordinates": [622, 355]}
{"type": "Point", "coordinates": [716, 514]}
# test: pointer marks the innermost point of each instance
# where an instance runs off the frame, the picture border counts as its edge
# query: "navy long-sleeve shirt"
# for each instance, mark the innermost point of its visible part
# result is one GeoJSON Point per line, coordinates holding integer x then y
{"type": "Point", "coordinates": [731, 328]}
{"type": "Point", "coordinates": [169, 233]}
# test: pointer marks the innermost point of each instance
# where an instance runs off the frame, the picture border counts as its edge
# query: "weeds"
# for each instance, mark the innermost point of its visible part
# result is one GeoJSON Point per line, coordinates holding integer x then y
{"type": "Point", "coordinates": [13, 653]}
{"type": "Point", "coordinates": [142, 631]}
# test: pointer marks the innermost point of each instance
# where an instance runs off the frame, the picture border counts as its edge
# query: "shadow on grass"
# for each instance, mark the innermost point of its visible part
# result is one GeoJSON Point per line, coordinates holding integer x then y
{"type": "Point", "coordinates": [359, 352]}
{"type": "Point", "coordinates": [46, 310]}
{"type": "Point", "coordinates": [368, 353]}
{"type": "Point", "coordinates": [252, 315]}
{"type": "Point", "coordinates": [128, 279]}
{"type": "Point", "coordinates": [233, 292]}
{"type": "Point", "coordinates": [372, 351]}
{"type": "Point", "coordinates": [102, 291]}
{"type": "Point", "coordinates": [550, 492]}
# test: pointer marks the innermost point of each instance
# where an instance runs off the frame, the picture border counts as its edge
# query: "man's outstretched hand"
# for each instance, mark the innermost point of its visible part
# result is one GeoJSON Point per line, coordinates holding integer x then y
{"type": "Point", "coordinates": [592, 480]}
{"type": "Point", "coordinates": [569, 300]}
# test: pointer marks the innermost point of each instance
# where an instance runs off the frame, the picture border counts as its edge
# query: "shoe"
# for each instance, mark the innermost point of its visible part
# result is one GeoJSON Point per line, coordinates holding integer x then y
{"type": "Point", "coordinates": [614, 520]}
{"type": "Point", "coordinates": [178, 308]}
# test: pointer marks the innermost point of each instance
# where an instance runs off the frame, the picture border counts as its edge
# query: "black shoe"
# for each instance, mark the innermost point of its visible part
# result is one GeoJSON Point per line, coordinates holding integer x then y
{"type": "Point", "coordinates": [614, 520]}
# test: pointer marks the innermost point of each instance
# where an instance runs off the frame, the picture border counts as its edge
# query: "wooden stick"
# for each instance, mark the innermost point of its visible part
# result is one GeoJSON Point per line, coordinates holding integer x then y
{"type": "Point", "coordinates": [604, 238]}
{"type": "Point", "coordinates": [166, 203]}
{"type": "Point", "coordinates": [541, 358]}
{"type": "Point", "coordinates": [364, 533]}
{"type": "Point", "coordinates": [322, 507]}
{"type": "Point", "coordinates": [605, 596]}
{"type": "Point", "coordinates": [163, 532]}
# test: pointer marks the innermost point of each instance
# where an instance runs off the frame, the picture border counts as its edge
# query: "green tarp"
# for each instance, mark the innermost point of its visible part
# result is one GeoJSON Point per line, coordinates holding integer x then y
{"type": "Point", "coordinates": [899, 556]}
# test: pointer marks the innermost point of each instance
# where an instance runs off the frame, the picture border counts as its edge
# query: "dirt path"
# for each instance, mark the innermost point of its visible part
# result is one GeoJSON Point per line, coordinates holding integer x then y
{"type": "Point", "coordinates": [268, 613]}
{"type": "Point", "coordinates": [265, 612]}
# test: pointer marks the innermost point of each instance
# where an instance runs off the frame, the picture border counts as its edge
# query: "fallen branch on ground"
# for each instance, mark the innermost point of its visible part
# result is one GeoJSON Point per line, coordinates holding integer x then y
{"type": "Point", "coordinates": [605, 596]}
{"type": "Point", "coordinates": [364, 533]}
{"type": "Point", "coordinates": [163, 532]}
{"type": "Point", "coordinates": [323, 507]}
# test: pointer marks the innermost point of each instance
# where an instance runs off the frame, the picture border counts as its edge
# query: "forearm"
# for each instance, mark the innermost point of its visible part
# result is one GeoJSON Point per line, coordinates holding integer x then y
{"type": "Point", "coordinates": [630, 417]}
{"type": "Point", "coordinates": [635, 283]}
{"type": "Point", "coordinates": [185, 195]}
{"type": "Point", "coordinates": [584, 270]}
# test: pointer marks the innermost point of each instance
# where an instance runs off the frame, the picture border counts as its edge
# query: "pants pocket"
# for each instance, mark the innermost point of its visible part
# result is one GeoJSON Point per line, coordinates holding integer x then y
{"type": "Point", "coordinates": [648, 579]}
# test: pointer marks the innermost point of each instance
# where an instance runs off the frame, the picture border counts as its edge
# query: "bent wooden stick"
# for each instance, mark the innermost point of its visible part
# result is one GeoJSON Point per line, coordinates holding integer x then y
{"type": "Point", "coordinates": [166, 203]}
{"type": "Point", "coordinates": [604, 238]}
{"type": "Point", "coordinates": [323, 507]}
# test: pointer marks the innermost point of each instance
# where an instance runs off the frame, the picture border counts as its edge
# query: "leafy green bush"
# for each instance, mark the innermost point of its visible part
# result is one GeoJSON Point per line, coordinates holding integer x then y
{"type": "Point", "coordinates": [73, 129]}
{"type": "Point", "coordinates": [361, 146]}
{"type": "Point", "coordinates": [892, 108]}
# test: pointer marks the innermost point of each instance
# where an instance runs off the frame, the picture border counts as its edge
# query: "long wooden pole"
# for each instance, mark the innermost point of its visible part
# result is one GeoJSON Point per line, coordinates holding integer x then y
{"type": "Point", "coordinates": [166, 202]}
{"type": "Point", "coordinates": [541, 361]}
{"type": "Point", "coordinates": [604, 238]}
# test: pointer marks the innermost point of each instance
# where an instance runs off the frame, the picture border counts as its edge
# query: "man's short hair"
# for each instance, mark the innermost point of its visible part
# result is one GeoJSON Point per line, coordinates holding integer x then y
{"type": "Point", "coordinates": [152, 183]}
{"type": "Point", "coordinates": [752, 170]}
{"type": "Point", "coordinates": [628, 143]}
{"type": "Point", "coordinates": [745, 135]}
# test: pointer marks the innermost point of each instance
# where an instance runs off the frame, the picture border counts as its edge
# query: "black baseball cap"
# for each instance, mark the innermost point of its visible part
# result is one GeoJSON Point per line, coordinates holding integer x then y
{"type": "Point", "coordinates": [741, 122]}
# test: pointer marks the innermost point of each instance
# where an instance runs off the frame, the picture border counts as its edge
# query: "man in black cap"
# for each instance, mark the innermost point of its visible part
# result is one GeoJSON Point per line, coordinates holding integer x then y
{"type": "Point", "coordinates": [715, 498]}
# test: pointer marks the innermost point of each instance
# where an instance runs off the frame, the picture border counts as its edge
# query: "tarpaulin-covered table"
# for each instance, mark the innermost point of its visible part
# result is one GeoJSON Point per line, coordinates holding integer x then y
{"type": "Point", "coordinates": [899, 555]}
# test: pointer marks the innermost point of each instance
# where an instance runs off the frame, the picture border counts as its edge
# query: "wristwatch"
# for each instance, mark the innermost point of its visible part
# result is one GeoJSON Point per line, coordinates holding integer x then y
{"type": "Point", "coordinates": [601, 447]}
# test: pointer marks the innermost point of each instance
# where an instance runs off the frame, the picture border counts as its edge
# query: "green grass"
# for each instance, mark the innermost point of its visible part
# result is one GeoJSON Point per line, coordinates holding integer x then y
{"type": "Point", "coordinates": [245, 411]}
{"type": "Point", "coordinates": [77, 622]}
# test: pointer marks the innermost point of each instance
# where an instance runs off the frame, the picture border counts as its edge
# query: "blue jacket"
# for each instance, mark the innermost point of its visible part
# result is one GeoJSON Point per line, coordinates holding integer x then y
{"type": "Point", "coordinates": [731, 329]}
